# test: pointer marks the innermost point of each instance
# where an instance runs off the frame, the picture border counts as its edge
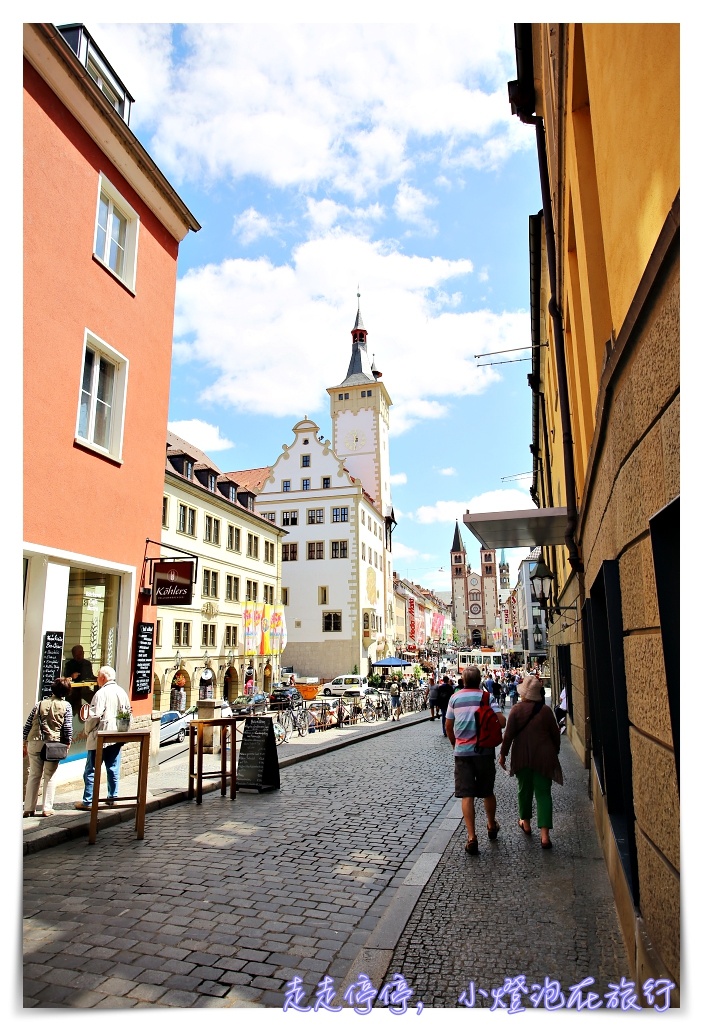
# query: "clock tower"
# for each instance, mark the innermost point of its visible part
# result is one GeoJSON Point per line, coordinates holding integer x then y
{"type": "Point", "coordinates": [360, 414]}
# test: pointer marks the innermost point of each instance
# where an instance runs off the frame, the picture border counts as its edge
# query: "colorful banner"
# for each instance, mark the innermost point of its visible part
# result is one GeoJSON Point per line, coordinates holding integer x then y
{"type": "Point", "coordinates": [264, 629]}
{"type": "Point", "coordinates": [412, 629]}
{"type": "Point", "coordinates": [437, 625]}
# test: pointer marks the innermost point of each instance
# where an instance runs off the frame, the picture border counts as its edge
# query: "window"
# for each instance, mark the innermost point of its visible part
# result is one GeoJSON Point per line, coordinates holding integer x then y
{"type": "Point", "coordinates": [270, 515]}
{"type": "Point", "coordinates": [211, 481]}
{"type": "Point", "coordinates": [315, 515]}
{"type": "Point", "coordinates": [339, 549]}
{"type": "Point", "coordinates": [331, 622]}
{"type": "Point", "coordinates": [326, 482]}
{"type": "Point", "coordinates": [488, 570]}
{"type": "Point", "coordinates": [116, 234]}
{"type": "Point", "coordinates": [212, 527]}
{"type": "Point", "coordinates": [289, 518]}
{"type": "Point", "coordinates": [231, 588]}
{"type": "Point", "coordinates": [286, 486]}
{"type": "Point", "coordinates": [251, 590]}
{"type": "Point", "coordinates": [231, 636]}
{"type": "Point", "coordinates": [305, 461]}
{"type": "Point", "coordinates": [363, 518]}
{"type": "Point", "coordinates": [158, 632]}
{"type": "Point", "coordinates": [363, 552]}
{"type": "Point", "coordinates": [251, 545]}
{"type": "Point", "coordinates": [231, 492]}
{"type": "Point", "coordinates": [289, 552]}
{"type": "Point", "coordinates": [186, 520]}
{"type": "Point", "coordinates": [181, 634]}
{"type": "Point", "coordinates": [106, 83]}
{"type": "Point", "coordinates": [188, 469]}
{"type": "Point", "coordinates": [375, 559]}
{"type": "Point", "coordinates": [233, 538]}
{"type": "Point", "coordinates": [322, 595]}
{"type": "Point", "coordinates": [210, 583]}
{"type": "Point", "coordinates": [209, 634]}
{"type": "Point", "coordinates": [340, 514]}
{"type": "Point", "coordinates": [305, 484]}
{"type": "Point", "coordinates": [269, 552]}
{"type": "Point", "coordinates": [284, 595]}
{"type": "Point", "coordinates": [267, 593]}
{"type": "Point", "coordinates": [103, 393]}
{"type": "Point", "coordinates": [164, 513]}
{"type": "Point", "coordinates": [315, 550]}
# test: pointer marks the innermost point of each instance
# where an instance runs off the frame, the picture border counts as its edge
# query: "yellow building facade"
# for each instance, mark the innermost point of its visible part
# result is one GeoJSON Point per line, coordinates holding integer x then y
{"type": "Point", "coordinates": [605, 380]}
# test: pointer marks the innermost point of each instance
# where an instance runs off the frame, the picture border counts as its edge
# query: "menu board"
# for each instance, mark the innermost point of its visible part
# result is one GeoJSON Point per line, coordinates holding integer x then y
{"type": "Point", "coordinates": [143, 658]}
{"type": "Point", "coordinates": [51, 658]}
{"type": "Point", "coordinates": [257, 766]}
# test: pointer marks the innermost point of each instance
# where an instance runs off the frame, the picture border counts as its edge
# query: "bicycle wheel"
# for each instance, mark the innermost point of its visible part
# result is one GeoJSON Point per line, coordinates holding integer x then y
{"type": "Point", "coordinates": [279, 732]}
{"type": "Point", "coordinates": [303, 723]}
{"type": "Point", "coordinates": [369, 713]}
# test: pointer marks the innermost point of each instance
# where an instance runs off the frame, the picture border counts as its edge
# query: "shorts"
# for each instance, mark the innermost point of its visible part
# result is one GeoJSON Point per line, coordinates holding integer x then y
{"type": "Point", "coordinates": [474, 775]}
{"type": "Point", "coordinates": [395, 700]}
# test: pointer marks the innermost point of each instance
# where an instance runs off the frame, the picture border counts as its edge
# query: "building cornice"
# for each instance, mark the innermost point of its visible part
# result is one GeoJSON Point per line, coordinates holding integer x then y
{"type": "Point", "coordinates": [52, 58]}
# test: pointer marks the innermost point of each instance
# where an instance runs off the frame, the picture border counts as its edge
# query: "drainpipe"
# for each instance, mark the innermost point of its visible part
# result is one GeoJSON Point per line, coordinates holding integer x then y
{"type": "Point", "coordinates": [522, 96]}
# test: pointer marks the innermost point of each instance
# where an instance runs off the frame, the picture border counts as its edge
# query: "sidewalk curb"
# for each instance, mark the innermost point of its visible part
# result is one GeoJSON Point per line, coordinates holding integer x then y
{"type": "Point", "coordinates": [52, 836]}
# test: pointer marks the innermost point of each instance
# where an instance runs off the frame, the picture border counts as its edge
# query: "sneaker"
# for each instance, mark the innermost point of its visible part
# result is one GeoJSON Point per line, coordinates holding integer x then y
{"type": "Point", "coordinates": [81, 805]}
{"type": "Point", "coordinates": [472, 846]}
{"type": "Point", "coordinates": [110, 801]}
{"type": "Point", "coordinates": [492, 833]}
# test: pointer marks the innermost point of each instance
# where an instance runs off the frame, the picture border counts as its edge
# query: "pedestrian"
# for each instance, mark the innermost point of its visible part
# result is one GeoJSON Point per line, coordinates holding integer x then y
{"type": "Point", "coordinates": [561, 710]}
{"type": "Point", "coordinates": [533, 735]}
{"type": "Point", "coordinates": [433, 703]}
{"type": "Point", "coordinates": [50, 721]}
{"type": "Point", "coordinates": [443, 696]}
{"type": "Point", "coordinates": [395, 701]}
{"type": "Point", "coordinates": [109, 702]}
{"type": "Point", "coordinates": [474, 767]}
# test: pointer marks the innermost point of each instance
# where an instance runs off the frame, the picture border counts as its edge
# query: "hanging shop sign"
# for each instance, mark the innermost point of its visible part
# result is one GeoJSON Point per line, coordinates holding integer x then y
{"type": "Point", "coordinates": [173, 582]}
{"type": "Point", "coordinates": [143, 658]}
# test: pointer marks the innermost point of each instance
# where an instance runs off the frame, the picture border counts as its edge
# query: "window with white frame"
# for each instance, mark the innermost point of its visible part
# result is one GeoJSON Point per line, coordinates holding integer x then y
{"type": "Point", "coordinates": [269, 552]}
{"type": "Point", "coordinates": [209, 634]}
{"type": "Point", "coordinates": [103, 394]}
{"type": "Point", "coordinates": [284, 595]}
{"type": "Point", "coordinates": [231, 588]}
{"type": "Point", "coordinates": [270, 515]}
{"type": "Point", "coordinates": [267, 593]}
{"type": "Point", "coordinates": [251, 590]}
{"type": "Point", "coordinates": [164, 513]}
{"type": "Point", "coordinates": [331, 622]}
{"type": "Point", "coordinates": [306, 484]}
{"type": "Point", "coordinates": [340, 514]}
{"type": "Point", "coordinates": [210, 583]}
{"type": "Point", "coordinates": [289, 518]}
{"type": "Point", "coordinates": [315, 515]}
{"type": "Point", "coordinates": [315, 550]}
{"type": "Point", "coordinates": [233, 538]}
{"type": "Point", "coordinates": [323, 595]}
{"type": "Point", "coordinates": [289, 552]}
{"type": "Point", "coordinates": [286, 485]}
{"type": "Point", "coordinates": [326, 482]}
{"type": "Point", "coordinates": [231, 636]}
{"type": "Point", "coordinates": [181, 634]}
{"type": "Point", "coordinates": [339, 549]}
{"type": "Point", "coordinates": [251, 545]}
{"type": "Point", "coordinates": [305, 461]}
{"type": "Point", "coordinates": [212, 528]}
{"type": "Point", "coordinates": [186, 520]}
{"type": "Point", "coordinates": [158, 632]}
{"type": "Point", "coordinates": [116, 234]}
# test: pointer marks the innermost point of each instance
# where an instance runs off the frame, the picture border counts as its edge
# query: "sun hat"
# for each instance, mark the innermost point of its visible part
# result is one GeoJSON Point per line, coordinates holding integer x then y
{"type": "Point", "coordinates": [530, 689]}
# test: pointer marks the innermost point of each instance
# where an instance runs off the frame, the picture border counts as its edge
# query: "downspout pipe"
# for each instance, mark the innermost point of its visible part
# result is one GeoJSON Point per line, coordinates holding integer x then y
{"type": "Point", "coordinates": [522, 97]}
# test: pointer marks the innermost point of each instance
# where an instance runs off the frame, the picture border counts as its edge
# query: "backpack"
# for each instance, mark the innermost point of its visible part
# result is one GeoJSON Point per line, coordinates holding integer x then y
{"type": "Point", "coordinates": [489, 731]}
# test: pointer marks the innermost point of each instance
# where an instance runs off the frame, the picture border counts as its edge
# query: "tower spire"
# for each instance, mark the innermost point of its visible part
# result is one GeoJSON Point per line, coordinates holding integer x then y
{"type": "Point", "coordinates": [457, 541]}
{"type": "Point", "coordinates": [360, 369]}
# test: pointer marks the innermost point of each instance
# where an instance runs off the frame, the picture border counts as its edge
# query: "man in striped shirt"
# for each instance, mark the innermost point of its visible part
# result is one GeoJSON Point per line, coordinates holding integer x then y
{"type": "Point", "coordinates": [474, 767]}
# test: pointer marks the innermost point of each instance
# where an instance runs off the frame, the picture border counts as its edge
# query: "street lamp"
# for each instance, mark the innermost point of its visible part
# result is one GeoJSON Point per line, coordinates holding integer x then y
{"type": "Point", "coordinates": [541, 580]}
{"type": "Point", "coordinates": [538, 638]}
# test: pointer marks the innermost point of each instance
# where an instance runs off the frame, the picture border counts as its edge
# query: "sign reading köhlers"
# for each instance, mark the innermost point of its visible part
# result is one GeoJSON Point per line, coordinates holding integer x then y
{"type": "Point", "coordinates": [172, 582]}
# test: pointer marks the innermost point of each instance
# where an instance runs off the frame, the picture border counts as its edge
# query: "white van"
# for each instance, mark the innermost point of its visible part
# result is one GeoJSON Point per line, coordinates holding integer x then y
{"type": "Point", "coordinates": [341, 683]}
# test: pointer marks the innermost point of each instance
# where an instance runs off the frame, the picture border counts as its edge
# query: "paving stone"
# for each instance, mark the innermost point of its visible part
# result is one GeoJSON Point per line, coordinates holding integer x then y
{"type": "Point", "coordinates": [148, 992]}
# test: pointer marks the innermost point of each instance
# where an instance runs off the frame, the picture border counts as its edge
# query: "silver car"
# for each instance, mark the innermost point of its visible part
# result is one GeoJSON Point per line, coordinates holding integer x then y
{"type": "Point", "coordinates": [174, 726]}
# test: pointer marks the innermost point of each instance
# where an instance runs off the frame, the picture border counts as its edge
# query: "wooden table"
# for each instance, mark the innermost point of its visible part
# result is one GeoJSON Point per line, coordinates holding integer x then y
{"type": "Point", "coordinates": [196, 729]}
{"type": "Point", "coordinates": [143, 737]}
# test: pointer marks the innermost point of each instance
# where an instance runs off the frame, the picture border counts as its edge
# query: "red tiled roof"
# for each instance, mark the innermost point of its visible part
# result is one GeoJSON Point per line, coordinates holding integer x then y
{"type": "Point", "coordinates": [248, 479]}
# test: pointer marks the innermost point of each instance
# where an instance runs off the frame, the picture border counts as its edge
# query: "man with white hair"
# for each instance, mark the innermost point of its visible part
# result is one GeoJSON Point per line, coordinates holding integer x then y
{"type": "Point", "coordinates": [109, 702]}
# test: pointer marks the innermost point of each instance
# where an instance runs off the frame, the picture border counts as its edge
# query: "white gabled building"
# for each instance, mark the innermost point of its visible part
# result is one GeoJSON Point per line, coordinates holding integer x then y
{"type": "Point", "coordinates": [333, 499]}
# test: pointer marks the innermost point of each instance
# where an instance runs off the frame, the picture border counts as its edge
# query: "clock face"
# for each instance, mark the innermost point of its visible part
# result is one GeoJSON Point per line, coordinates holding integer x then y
{"type": "Point", "coordinates": [474, 582]}
{"type": "Point", "coordinates": [354, 440]}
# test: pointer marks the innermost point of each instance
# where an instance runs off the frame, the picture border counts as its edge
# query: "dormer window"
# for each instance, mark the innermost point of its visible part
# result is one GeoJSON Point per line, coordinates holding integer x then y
{"type": "Point", "coordinates": [98, 68]}
{"type": "Point", "coordinates": [211, 482]}
{"type": "Point", "coordinates": [188, 469]}
{"type": "Point", "coordinates": [232, 492]}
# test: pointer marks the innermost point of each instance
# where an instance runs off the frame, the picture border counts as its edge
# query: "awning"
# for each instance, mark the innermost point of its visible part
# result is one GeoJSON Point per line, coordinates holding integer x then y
{"type": "Point", "coordinates": [543, 527]}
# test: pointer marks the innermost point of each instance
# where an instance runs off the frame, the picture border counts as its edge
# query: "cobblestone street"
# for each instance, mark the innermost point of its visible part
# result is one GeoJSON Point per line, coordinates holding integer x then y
{"type": "Point", "coordinates": [224, 903]}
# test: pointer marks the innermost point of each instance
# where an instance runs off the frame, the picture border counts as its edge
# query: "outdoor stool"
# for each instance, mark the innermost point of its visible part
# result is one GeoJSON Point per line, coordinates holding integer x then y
{"type": "Point", "coordinates": [143, 737]}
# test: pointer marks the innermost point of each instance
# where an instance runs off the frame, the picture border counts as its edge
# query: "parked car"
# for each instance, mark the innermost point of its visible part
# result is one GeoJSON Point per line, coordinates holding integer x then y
{"type": "Point", "coordinates": [341, 683]}
{"type": "Point", "coordinates": [249, 704]}
{"type": "Point", "coordinates": [174, 726]}
{"type": "Point", "coordinates": [283, 696]}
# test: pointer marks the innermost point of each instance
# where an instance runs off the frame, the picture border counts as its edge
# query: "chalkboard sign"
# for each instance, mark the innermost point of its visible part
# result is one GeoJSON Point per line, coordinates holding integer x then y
{"type": "Point", "coordinates": [257, 767]}
{"type": "Point", "coordinates": [144, 657]}
{"type": "Point", "coordinates": [51, 658]}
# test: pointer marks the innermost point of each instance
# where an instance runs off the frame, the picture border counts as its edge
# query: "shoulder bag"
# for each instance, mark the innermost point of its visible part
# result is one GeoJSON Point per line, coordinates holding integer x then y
{"type": "Point", "coordinates": [53, 750]}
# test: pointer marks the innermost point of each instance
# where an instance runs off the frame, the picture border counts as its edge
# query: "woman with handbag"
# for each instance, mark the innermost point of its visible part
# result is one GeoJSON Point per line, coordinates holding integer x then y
{"type": "Point", "coordinates": [47, 736]}
{"type": "Point", "coordinates": [533, 735]}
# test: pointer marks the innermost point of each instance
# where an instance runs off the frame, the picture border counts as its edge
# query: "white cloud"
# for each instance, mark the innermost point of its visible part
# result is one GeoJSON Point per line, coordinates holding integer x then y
{"type": "Point", "coordinates": [410, 206]}
{"type": "Point", "coordinates": [450, 471]}
{"type": "Point", "coordinates": [323, 214]}
{"type": "Point", "coordinates": [398, 479]}
{"type": "Point", "coordinates": [401, 552]}
{"type": "Point", "coordinates": [250, 225]}
{"type": "Point", "coordinates": [493, 500]}
{"type": "Point", "coordinates": [263, 362]}
{"type": "Point", "coordinates": [202, 434]}
{"type": "Point", "coordinates": [483, 275]}
{"type": "Point", "coordinates": [311, 104]}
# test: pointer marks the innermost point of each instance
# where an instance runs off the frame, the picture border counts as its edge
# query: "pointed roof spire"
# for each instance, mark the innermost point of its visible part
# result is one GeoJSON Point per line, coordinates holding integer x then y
{"type": "Point", "coordinates": [457, 541]}
{"type": "Point", "coordinates": [502, 557]}
{"type": "Point", "coordinates": [359, 370]}
{"type": "Point", "coordinates": [359, 317]}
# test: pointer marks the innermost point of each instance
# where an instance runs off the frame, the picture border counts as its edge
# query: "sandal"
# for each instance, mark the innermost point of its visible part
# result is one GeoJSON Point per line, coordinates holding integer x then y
{"type": "Point", "coordinates": [523, 828]}
{"type": "Point", "coordinates": [546, 844]}
{"type": "Point", "coordinates": [472, 846]}
{"type": "Point", "coordinates": [50, 812]}
{"type": "Point", "coordinates": [492, 832]}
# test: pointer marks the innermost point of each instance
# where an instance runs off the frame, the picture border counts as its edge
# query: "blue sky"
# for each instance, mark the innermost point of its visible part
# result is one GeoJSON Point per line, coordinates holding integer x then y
{"type": "Point", "coordinates": [324, 157]}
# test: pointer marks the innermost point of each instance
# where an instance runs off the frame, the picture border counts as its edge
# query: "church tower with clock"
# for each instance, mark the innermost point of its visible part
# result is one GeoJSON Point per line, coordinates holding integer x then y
{"type": "Point", "coordinates": [360, 414]}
